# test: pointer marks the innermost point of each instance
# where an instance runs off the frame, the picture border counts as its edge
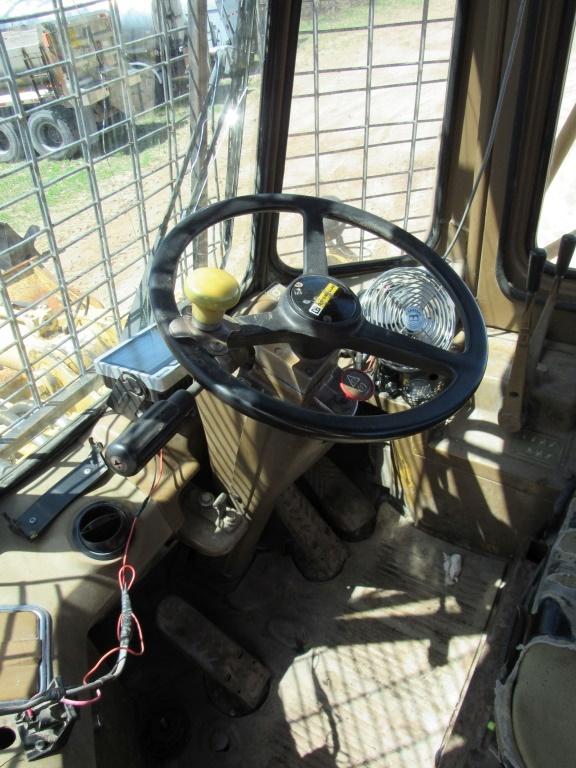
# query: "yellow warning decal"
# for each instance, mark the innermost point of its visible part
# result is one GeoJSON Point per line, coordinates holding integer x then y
{"type": "Point", "coordinates": [323, 298]}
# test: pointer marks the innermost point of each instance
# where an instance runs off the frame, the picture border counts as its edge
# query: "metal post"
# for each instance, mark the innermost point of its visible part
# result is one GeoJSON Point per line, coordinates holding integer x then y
{"type": "Point", "coordinates": [86, 151]}
{"type": "Point", "coordinates": [316, 68]}
{"type": "Point", "coordinates": [367, 109]}
{"type": "Point", "coordinates": [133, 139]}
{"type": "Point", "coordinates": [413, 144]}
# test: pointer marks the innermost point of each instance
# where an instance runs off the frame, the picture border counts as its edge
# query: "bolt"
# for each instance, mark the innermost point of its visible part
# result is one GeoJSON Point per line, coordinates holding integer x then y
{"type": "Point", "coordinates": [86, 470]}
{"type": "Point", "coordinates": [216, 347]}
{"type": "Point", "coordinates": [32, 520]}
{"type": "Point", "coordinates": [40, 745]}
{"type": "Point", "coordinates": [219, 741]}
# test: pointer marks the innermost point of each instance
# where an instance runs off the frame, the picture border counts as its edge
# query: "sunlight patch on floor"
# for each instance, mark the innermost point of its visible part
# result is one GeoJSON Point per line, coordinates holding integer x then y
{"type": "Point", "coordinates": [382, 689]}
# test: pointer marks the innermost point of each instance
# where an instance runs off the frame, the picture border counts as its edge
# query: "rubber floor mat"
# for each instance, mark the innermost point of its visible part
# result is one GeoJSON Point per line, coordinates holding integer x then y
{"type": "Point", "coordinates": [367, 669]}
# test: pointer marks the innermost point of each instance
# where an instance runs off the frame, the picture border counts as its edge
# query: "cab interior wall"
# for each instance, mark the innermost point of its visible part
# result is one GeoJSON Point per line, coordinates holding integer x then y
{"type": "Point", "coordinates": [392, 660]}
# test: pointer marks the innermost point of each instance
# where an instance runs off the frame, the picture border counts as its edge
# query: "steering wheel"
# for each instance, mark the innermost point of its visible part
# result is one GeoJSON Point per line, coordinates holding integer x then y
{"type": "Point", "coordinates": [300, 320]}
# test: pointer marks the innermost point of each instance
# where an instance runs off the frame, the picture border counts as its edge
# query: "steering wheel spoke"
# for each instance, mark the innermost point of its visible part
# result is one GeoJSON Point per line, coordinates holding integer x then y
{"type": "Point", "coordinates": [315, 259]}
{"type": "Point", "coordinates": [381, 342]}
{"type": "Point", "coordinates": [181, 328]}
{"type": "Point", "coordinates": [261, 328]}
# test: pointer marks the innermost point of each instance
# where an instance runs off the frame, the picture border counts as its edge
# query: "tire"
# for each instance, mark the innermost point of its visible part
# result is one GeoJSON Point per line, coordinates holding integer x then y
{"type": "Point", "coordinates": [53, 129]}
{"type": "Point", "coordinates": [11, 149]}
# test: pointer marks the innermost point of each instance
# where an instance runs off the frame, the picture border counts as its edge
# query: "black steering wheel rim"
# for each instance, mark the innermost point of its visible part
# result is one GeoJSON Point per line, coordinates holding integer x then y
{"type": "Point", "coordinates": [238, 394]}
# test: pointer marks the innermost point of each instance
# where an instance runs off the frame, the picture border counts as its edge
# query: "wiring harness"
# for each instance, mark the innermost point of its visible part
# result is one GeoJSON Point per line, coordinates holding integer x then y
{"type": "Point", "coordinates": [57, 692]}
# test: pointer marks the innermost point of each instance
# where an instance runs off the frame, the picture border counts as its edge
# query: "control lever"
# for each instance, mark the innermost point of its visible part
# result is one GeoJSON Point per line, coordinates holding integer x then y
{"type": "Point", "coordinates": [511, 414]}
{"type": "Point", "coordinates": [143, 438]}
{"type": "Point", "coordinates": [538, 337]}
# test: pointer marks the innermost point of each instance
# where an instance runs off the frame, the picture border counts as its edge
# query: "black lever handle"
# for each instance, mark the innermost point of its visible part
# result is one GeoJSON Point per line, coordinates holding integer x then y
{"type": "Point", "coordinates": [565, 253]}
{"type": "Point", "coordinates": [536, 263]}
{"type": "Point", "coordinates": [143, 438]}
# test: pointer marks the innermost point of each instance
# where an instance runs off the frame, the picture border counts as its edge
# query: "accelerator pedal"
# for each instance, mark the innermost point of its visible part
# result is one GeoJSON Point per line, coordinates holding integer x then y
{"type": "Point", "coordinates": [340, 501]}
{"type": "Point", "coordinates": [318, 553]}
{"type": "Point", "coordinates": [242, 679]}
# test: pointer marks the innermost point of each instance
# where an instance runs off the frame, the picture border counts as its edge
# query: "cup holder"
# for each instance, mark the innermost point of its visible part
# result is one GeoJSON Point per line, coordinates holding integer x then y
{"type": "Point", "coordinates": [101, 530]}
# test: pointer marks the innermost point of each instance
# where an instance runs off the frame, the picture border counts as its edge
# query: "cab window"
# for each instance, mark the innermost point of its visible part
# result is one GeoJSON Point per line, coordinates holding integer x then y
{"type": "Point", "coordinates": [366, 117]}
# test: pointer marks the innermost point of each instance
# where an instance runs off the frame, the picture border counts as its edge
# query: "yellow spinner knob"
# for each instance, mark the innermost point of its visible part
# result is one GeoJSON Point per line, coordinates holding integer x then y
{"type": "Point", "coordinates": [211, 292]}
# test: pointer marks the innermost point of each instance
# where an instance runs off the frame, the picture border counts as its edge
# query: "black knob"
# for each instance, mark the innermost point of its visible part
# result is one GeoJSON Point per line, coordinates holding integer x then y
{"type": "Point", "coordinates": [565, 253]}
{"type": "Point", "coordinates": [147, 435]}
{"type": "Point", "coordinates": [536, 263]}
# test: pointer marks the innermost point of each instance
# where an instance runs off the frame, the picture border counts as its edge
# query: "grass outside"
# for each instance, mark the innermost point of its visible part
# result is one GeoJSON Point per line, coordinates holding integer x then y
{"type": "Point", "coordinates": [76, 186]}
{"type": "Point", "coordinates": [333, 15]}
{"type": "Point", "coordinates": [342, 14]}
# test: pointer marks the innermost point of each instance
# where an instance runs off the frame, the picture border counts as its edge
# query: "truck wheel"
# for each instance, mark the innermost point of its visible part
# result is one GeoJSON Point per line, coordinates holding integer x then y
{"type": "Point", "coordinates": [53, 129]}
{"type": "Point", "coordinates": [11, 149]}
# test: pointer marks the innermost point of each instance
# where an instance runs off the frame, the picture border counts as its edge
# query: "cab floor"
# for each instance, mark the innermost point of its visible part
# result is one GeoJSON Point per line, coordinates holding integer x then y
{"type": "Point", "coordinates": [367, 669]}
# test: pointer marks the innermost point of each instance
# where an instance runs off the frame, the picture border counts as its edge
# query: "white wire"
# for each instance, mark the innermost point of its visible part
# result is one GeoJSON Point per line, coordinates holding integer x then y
{"type": "Point", "coordinates": [493, 129]}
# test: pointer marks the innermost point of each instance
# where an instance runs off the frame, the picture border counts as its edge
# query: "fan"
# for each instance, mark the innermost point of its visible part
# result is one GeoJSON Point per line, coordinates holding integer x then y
{"type": "Point", "coordinates": [409, 300]}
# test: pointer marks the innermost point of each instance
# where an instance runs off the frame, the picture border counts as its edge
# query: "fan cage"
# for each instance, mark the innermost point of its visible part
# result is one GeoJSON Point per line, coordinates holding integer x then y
{"type": "Point", "coordinates": [410, 301]}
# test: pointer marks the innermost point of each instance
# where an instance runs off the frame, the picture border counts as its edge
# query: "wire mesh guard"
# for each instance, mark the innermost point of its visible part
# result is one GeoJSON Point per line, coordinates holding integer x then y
{"type": "Point", "coordinates": [111, 116]}
{"type": "Point", "coordinates": [410, 301]}
{"type": "Point", "coordinates": [116, 121]}
{"type": "Point", "coordinates": [369, 101]}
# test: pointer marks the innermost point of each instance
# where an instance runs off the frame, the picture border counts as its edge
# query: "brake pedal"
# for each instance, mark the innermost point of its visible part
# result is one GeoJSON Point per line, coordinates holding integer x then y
{"type": "Point", "coordinates": [318, 553]}
{"type": "Point", "coordinates": [243, 678]}
{"type": "Point", "coordinates": [340, 501]}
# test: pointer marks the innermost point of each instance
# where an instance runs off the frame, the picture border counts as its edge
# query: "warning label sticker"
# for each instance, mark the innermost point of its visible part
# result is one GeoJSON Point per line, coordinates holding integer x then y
{"type": "Point", "coordinates": [322, 300]}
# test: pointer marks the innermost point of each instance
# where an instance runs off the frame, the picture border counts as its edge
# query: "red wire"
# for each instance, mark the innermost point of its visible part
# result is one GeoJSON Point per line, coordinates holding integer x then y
{"type": "Point", "coordinates": [126, 578]}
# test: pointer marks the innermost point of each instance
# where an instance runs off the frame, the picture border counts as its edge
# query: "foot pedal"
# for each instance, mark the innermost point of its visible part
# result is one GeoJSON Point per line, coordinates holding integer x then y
{"type": "Point", "coordinates": [242, 677]}
{"type": "Point", "coordinates": [340, 501]}
{"type": "Point", "coordinates": [317, 551]}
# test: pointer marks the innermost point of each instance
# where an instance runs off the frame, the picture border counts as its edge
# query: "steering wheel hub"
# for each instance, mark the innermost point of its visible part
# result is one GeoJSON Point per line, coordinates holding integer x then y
{"type": "Point", "coordinates": [324, 300]}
